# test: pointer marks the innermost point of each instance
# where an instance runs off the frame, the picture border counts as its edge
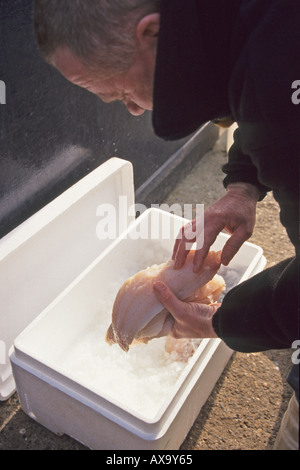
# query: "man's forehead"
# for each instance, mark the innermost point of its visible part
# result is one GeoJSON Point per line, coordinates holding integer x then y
{"type": "Point", "coordinates": [67, 63]}
{"type": "Point", "coordinates": [74, 70]}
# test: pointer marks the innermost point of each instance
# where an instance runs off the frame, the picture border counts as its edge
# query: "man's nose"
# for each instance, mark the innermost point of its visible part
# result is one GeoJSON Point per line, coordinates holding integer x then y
{"type": "Point", "coordinates": [134, 109]}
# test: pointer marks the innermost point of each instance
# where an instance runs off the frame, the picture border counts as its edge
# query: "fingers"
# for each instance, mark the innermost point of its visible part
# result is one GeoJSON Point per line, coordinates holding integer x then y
{"type": "Point", "coordinates": [233, 245]}
{"type": "Point", "coordinates": [192, 320]}
{"type": "Point", "coordinates": [202, 251]}
{"type": "Point", "coordinates": [180, 255]}
{"type": "Point", "coordinates": [188, 235]}
{"type": "Point", "coordinates": [213, 227]}
{"type": "Point", "coordinates": [235, 212]}
{"type": "Point", "coordinates": [184, 243]}
{"type": "Point", "coordinates": [167, 298]}
{"type": "Point", "coordinates": [178, 242]}
{"type": "Point", "coordinates": [175, 248]}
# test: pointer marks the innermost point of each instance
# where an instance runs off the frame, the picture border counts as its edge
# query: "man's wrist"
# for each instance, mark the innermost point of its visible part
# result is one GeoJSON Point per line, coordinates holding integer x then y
{"type": "Point", "coordinates": [245, 189]}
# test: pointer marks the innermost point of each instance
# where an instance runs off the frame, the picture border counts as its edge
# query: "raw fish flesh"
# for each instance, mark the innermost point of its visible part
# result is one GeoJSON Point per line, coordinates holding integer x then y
{"type": "Point", "coordinates": [181, 349]}
{"type": "Point", "coordinates": [137, 314]}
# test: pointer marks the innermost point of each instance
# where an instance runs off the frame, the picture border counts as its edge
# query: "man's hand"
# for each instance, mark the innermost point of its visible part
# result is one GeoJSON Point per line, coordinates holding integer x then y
{"type": "Point", "coordinates": [192, 319]}
{"type": "Point", "coordinates": [234, 212]}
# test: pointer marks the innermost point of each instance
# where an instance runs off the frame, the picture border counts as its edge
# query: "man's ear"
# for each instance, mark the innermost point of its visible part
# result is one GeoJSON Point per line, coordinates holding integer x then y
{"type": "Point", "coordinates": [148, 28]}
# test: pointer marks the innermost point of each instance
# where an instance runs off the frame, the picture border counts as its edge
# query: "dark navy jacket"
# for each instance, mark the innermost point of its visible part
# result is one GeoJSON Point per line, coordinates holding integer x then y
{"type": "Point", "coordinates": [240, 58]}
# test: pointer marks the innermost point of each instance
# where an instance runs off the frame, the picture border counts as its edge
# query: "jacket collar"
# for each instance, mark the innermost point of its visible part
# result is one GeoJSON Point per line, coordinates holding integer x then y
{"type": "Point", "coordinates": [192, 65]}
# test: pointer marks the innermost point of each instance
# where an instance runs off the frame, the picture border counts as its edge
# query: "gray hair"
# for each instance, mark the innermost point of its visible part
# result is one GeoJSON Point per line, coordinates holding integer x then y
{"type": "Point", "coordinates": [100, 32]}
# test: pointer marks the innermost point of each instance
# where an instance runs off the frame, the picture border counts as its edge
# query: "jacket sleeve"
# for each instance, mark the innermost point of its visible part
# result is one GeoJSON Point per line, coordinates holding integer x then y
{"type": "Point", "coordinates": [262, 312]}
{"type": "Point", "coordinates": [240, 168]}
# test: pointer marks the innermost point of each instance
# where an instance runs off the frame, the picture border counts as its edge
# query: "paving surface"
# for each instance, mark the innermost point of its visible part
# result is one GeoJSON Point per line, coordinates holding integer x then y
{"type": "Point", "coordinates": [245, 409]}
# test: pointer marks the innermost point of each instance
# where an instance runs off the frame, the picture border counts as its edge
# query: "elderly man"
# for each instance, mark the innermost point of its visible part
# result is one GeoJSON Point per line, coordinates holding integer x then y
{"type": "Point", "coordinates": [191, 62]}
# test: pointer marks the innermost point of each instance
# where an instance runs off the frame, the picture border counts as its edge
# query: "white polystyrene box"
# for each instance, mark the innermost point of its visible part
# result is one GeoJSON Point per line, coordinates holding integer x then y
{"type": "Point", "coordinates": [49, 250]}
{"type": "Point", "coordinates": [59, 395]}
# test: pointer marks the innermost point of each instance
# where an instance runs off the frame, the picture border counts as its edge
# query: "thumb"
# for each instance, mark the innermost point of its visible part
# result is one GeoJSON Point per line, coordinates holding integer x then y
{"type": "Point", "coordinates": [167, 298]}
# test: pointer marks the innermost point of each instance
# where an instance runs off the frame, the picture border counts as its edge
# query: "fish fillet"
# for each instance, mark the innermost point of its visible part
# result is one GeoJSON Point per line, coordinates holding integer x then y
{"type": "Point", "coordinates": [137, 314]}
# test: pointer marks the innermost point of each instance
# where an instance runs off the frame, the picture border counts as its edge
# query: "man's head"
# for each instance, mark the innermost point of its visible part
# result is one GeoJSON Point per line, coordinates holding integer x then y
{"type": "Point", "coordinates": [107, 47]}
